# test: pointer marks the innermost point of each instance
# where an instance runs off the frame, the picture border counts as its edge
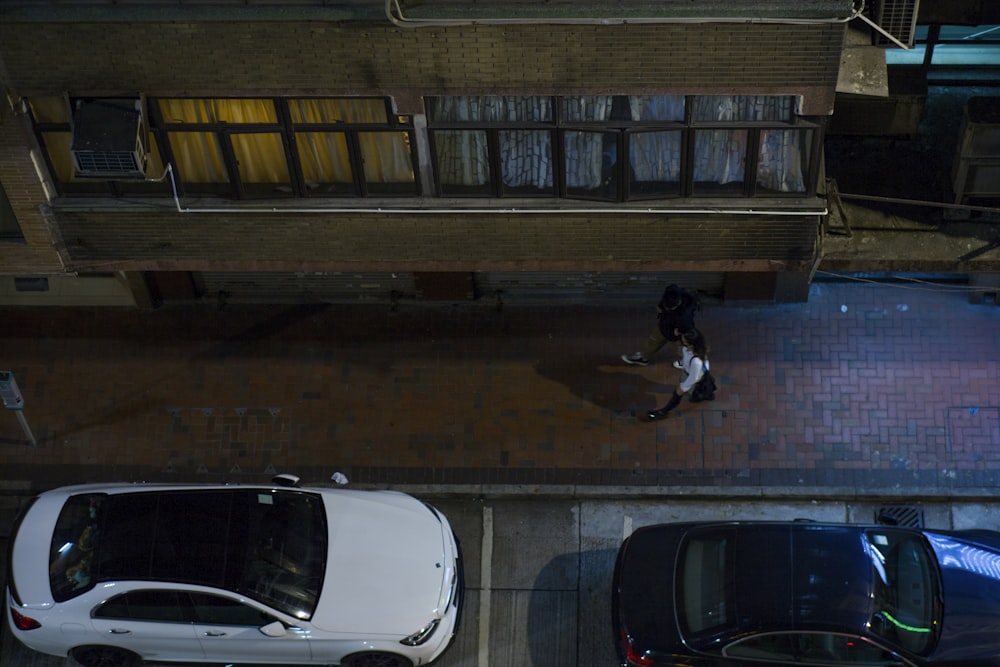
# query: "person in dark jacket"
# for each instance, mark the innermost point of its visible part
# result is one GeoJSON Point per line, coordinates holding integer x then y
{"type": "Point", "coordinates": [675, 316]}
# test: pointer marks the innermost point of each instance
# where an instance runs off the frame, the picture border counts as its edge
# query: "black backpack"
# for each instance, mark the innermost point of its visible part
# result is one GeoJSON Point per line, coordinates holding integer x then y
{"type": "Point", "coordinates": [704, 389]}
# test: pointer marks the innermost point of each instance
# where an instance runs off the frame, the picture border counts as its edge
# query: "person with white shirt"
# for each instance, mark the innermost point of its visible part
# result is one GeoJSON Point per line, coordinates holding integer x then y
{"type": "Point", "coordinates": [693, 363]}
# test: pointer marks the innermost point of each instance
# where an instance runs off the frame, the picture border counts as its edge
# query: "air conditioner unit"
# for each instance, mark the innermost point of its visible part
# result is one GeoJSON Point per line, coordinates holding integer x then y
{"type": "Point", "coordinates": [109, 138]}
{"type": "Point", "coordinates": [896, 17]}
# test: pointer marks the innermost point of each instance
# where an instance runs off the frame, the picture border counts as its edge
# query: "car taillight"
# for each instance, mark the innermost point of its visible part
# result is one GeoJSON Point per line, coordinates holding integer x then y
{"type": "Point", "coordinates": [632, 655]}
{"type": "Point", "coordinates": [22, 622]}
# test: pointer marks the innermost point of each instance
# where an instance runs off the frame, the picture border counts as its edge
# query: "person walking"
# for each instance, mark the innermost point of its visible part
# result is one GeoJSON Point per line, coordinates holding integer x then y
{"type": "Point", "coordinates": [674, 315]}
{"type": "Point", "coordinates": [693, 364]}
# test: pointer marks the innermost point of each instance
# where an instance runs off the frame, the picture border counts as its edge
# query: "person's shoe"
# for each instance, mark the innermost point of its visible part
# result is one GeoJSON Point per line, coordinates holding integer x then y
{"type": "Point", "coordinates": [678, 365]}
{"type": "Point", "coordinates": [635, 359]}
{"type": "Point", "coordinates": [656, 415]}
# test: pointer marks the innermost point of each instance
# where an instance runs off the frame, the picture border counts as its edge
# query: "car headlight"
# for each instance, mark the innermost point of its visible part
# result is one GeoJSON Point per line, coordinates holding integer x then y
{"type": "Point", "coordinates": [421, 636]}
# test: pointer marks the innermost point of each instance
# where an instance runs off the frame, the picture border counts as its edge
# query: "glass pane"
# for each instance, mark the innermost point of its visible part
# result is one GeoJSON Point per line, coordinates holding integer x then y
{"type": "Point", "coordinates": [217, 610]}
{"type": "Point", "coordinates": [526, 161]}
{"type": "Point", "coordinates": [462, 161]}
{"type": "Point", "coordinates": [743, 108]}
{"type": "Point", "coordinates": [344, 110]}
{"type": "Point", "coordinates": [199, 161]}
{"type": "Point", "coordinates": [262, 164]}
{"type": "Point", "coordinates": [148, 606]}
{"type": "Point", "coordinates": [586, 108]}
{"type": "Point", "coordinates": [591, 164]}
{"type": "Point", "coordinates": [783, 161]}
{"type": "Point", "coordinates": [655, 160]}
{"type": "Point", "coordinates": [326, 165]}
{"type": "Point", "coordinates": [218, 111]}
{"type": "Point", "coordinates": [706, 583]}
{"type": "Point", "coordinates": [490, 108]}
{"type": "Point", "coordinates": [657, 107]}
{"type": "Point", "coordinates": [906, 593]}
{"type": "Point", "coordinates": [388, 162]}
{"type": "Point", "coordinates": [719, 161]}
{"type": "Point", "coordinates": [49, 109]}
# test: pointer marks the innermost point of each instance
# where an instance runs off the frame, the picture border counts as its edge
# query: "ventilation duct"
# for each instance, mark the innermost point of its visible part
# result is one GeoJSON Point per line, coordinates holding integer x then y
{"type": "Point", "coordinates": [109, 138]}
{"type": "Point", "coordinates": [897, 18]}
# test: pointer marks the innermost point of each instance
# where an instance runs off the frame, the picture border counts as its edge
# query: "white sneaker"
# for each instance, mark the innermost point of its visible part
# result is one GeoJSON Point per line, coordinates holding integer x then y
{"type": "Point", "coordinates": [635, 359]}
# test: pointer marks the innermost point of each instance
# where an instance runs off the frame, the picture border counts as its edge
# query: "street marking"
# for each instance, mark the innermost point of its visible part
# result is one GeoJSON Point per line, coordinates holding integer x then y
{"type": "Point", "coordinates": [627, 527]}
{"type": "Point", "coordinates": [486, 568]}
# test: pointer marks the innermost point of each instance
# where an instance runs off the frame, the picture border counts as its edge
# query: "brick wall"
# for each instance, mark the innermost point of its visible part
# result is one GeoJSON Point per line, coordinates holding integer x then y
{"type": "Point", "coordinates": [35, 253]}
{"type": "Point", "coordinates": [436, 242]}
{"type": "Point", "coordinates": [364, 58]}
{"type": "Point", "coordinates": [287, 58]}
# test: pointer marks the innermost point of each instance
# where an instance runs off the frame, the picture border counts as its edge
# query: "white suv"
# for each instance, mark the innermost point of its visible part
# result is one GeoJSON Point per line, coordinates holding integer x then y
{"type": "Point", "coordinates": [115, 574]}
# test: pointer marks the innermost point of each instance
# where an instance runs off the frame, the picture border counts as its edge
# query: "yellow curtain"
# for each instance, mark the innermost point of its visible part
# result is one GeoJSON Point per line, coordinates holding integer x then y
{"type": "Point", "coordinates": [324, 158]}
{"type": "Point", "coordinates": [50, 109]}
{"type": "Point", "coordinates": [337, 110]}
{"type": "Point", "coordinates": [261, 157]}
{"type": "Point", "coordinates": [257, 111]}
{"type": "Point", "coordinates": [198, 157]}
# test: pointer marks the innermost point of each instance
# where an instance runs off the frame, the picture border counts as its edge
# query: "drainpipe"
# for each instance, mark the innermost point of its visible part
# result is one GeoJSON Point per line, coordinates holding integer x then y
{"type": "Point", "coordinates": [394, 13]}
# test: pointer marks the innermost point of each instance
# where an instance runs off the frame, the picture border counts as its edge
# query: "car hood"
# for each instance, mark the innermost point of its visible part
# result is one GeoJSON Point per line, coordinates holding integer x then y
{"type": "Point", "coordinates": [970, 573]}
{"type": "Point", "coordinates": [386, 569]}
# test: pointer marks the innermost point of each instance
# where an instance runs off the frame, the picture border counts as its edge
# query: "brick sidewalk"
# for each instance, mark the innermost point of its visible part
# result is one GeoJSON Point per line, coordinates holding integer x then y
{"type": "Point", "coordinates": [900, 391]}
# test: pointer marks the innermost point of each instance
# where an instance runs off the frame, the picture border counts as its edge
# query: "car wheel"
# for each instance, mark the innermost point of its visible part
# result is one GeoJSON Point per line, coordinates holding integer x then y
{"type": "Point", "coordinates": [376, 659]}
{"type": "Point", "coordinates": [104, 656]}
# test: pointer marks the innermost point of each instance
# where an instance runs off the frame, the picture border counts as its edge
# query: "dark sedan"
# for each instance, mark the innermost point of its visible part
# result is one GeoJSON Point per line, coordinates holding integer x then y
{"type": "Point", "coordinates": [804, 593]}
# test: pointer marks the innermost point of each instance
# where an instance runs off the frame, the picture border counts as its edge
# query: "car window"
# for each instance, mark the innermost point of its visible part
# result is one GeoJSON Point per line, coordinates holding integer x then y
{"type": "Point", "coordinates": [218, 610]}
{"type": "Point", "coordinates": [146, 605]}
{"type": "Point", "coordinates": [285, 559]}
{"type": "Point", "coordinates": [269, 544]}
{"type": "Point", "coordinates": [811, 648]}
{"type": "Point", "coordinates": [74, 540]}
{"type": "Point", "coordinates": [705, 581]}
{"type": "Point", "coordinates": [907, 594]}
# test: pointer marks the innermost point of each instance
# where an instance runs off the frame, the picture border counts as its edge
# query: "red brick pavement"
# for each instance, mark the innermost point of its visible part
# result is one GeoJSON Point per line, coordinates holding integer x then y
{"type": "Point", "coordinates": [901, 390]}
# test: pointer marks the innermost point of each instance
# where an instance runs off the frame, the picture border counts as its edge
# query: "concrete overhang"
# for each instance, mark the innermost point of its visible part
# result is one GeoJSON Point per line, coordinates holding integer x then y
{"type": "Point", "coordinates": [863, 69]}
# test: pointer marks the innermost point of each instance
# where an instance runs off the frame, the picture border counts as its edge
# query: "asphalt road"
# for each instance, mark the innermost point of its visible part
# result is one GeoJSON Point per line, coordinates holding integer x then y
{"type": "Point", "coordinates": [538, 569]}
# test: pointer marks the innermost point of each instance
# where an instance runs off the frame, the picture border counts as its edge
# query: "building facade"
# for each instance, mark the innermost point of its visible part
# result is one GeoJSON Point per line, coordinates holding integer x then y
{"type": "Point", "coordinates": [295, 151]}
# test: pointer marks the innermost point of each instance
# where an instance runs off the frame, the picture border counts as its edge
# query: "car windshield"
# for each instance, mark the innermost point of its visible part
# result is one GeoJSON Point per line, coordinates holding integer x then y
{"type": "Point", "coordinates": [705, 582]}
{"type": "Point", "coordinates": [906, 594]}
{"type": "Point", "coordinates": [269, 545]}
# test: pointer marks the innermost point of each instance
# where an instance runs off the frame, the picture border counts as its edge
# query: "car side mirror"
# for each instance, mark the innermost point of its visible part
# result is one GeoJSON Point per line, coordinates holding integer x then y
{"type": "Point", "coordinates": [274, 629]}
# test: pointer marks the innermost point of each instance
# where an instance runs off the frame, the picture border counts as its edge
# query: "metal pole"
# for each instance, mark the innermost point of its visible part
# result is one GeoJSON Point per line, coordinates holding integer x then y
{"type": "Point", "coordinates": [27, 429]}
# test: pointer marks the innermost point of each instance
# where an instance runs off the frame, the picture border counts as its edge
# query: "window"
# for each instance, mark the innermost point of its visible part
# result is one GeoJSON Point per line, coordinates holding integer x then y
{"type": "Point", "coordinates": [252, 148]}
{"type": "Point", "coordinates": [9, 229]}
{"type": "Point", "coordinates": [706, 582]}
{"type": "Point", "coordinates": [618, 148]}
{"type": "Point", "coordinates": [906, 607]}
{"type": "Point", "coordinates": [150, 605]}
{"type": "Point", "coordinates": [217, 610]}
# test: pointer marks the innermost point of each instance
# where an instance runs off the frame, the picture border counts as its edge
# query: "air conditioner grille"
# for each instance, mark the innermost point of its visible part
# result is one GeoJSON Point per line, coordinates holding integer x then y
{"type": "Point", "coordinates": [108, 162]}
{"type": "Point", "coordinates": [898, 18]}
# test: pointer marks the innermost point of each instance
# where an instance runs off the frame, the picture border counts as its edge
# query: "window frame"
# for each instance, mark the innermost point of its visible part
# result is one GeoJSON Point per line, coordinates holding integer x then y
{"type": "Point", "coordinates": [626, 129]}
{"type": "Point", "coordinates": [236, 187]}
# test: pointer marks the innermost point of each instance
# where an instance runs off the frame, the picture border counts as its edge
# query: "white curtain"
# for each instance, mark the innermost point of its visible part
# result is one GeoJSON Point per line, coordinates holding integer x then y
{"type": "Point", "coordinates": [463, 155]}
{"type": "Point", "coordinates": [585, 151]}
{"type": "Point", "coordinates": [720, 154]}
